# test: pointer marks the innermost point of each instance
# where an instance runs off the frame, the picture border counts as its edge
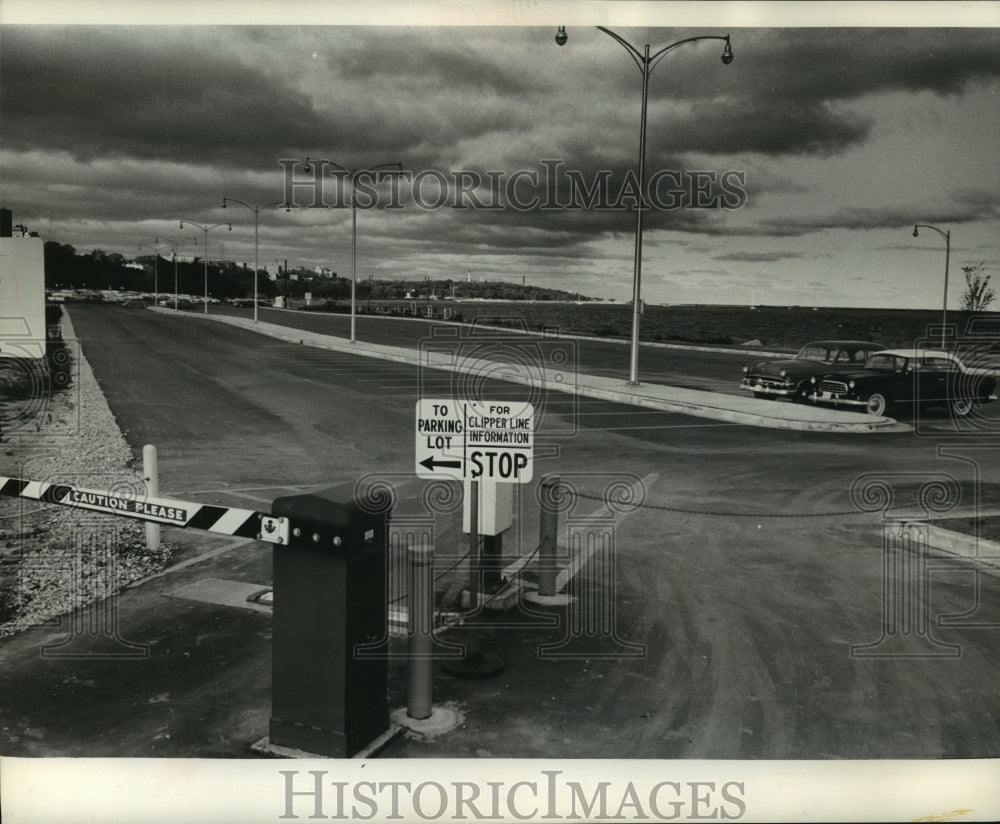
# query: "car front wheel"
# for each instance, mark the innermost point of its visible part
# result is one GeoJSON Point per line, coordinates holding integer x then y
{"type": "Point", "coordinates": [877, 404]}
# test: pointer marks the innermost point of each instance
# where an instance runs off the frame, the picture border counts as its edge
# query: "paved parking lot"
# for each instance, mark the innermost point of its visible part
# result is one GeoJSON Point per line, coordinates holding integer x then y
{"type": "Point", "coordinates": [745, 583]}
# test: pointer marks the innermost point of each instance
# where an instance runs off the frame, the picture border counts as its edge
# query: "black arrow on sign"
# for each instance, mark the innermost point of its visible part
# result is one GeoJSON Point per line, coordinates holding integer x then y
{"type": "Point", "coordinates": [430, 463]}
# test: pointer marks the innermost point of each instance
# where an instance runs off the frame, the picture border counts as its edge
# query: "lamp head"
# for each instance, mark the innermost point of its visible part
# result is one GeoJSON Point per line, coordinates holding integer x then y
{"type": "Point", "coordinates": [915, 232]}
{"type": "Point", "coordinates": [561, 36]}
{"type": "Point", "coordinates": [182, 224]}
{"type": "Point", "coordinates": [223, 203]}
{"type": "Point", "coordinates": [727, 53]}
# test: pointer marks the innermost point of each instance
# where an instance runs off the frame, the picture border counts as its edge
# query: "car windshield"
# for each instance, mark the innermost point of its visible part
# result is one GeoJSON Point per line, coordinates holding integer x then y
{"type": "Point", "coordinates": [886, 363]}
{"type": "Point", "coordinates": [832, 354]}
{"type": "Point", "coordinates": [813, 352]}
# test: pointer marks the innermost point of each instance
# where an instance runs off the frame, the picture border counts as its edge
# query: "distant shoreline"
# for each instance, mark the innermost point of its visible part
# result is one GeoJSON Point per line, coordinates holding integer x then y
{"type": "Point", "coordinates": [781, 327]}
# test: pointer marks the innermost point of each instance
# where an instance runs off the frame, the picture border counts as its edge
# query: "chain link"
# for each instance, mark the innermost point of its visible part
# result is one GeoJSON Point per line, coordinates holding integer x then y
{"type": "Point", "coordinates": [715, 512]}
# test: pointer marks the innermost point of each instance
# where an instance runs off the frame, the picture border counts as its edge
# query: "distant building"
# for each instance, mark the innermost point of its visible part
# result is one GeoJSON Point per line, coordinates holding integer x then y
{"type": "Point", "coordinates": [22, 291]}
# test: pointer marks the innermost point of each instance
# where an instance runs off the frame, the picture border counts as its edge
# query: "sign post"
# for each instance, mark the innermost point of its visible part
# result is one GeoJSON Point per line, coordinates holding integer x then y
{"type": "Point", "coordinates": [488, 445]}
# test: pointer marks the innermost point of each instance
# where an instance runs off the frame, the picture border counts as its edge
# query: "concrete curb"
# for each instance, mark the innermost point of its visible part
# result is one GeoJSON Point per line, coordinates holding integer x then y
{"type": "Point", "coordinates": [693, 402]}
{"type": "Point", "coordinates": [696, 347]}
{"type": "Point", "coordinates": [985, 554]}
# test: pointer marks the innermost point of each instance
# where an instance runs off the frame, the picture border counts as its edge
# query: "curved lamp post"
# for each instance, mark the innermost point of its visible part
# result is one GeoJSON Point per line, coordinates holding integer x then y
{"type": "Point", "coordinates": [156, 278]}
{"type": "Point", "coordinates": [947, 258]}
{"type": "Point", "coordinates": [256, 230]}
{"type": "Point", "coordinates": [173, 246]}
{"type": "Point", "coordinates": [645, 62]}
{"type": "Point", "coordinates": [352, 174]}
{"type": "Point", "coordinates": [206, 230]}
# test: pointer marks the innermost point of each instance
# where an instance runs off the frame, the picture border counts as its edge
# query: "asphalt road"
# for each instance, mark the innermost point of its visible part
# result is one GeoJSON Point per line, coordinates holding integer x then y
{"type": "Point", "coordinates": [689, 367]}
{"type": "Point", "coordinates": [743, 578]}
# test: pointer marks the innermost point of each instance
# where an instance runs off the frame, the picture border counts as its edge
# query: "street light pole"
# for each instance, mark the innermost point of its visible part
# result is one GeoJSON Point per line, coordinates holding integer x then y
{"type": "Point", "coordinates": [256, 229]}
{"type": "Point", "coordinates": [206, 230]}
{"type": "Point", "coordinates": [352, 175]}
{"type": "Point", "coordinates": [173, 246]}
{"type": "Point", "coordinates": [947, 259]}
{"type": "Point", "coordinates": [645, 62]}
{"type": "Point", "coordinates": [156, 278]}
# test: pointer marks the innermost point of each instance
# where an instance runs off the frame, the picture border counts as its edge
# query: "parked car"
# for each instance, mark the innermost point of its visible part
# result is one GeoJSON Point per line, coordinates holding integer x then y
{"type": "Point", "coordinates": [792, 378]}
{"type": "Point", "coordinates": [912, 377]}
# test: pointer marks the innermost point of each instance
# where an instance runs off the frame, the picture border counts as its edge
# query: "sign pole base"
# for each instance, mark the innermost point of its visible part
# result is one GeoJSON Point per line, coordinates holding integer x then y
{"type": "Point", "coordinates": [476, 664]}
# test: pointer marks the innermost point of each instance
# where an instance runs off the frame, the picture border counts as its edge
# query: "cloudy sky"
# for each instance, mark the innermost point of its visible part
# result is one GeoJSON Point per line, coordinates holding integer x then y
{"type": "Point", "coordinates": [826, 143]}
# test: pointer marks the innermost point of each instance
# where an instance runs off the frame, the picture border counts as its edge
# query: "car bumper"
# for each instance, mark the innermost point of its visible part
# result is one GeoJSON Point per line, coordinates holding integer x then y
{"type": "Point", "coordinates": [768, 390]}
{"type": "Point", "coordinates": [836, 400]}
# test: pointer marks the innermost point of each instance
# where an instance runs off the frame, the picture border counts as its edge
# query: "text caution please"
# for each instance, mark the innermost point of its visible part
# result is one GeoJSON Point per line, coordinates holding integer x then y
{"type": "Point", "coordinates": [148, 509]}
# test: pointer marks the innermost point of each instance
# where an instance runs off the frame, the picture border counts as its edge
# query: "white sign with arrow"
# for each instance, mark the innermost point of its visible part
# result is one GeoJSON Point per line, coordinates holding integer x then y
{"type": "Point", "coordinates": [476, 440]}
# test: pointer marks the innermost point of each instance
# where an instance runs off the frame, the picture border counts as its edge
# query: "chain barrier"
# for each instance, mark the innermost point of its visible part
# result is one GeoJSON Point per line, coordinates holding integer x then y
{"type": "Point", "coordinates": [454, 566]}
{"type": "Point", "coordinates": [505, 582]}
{"type": "Point", "coordinates": [611, 500]}
{"type": "Point", "coordinates": [438, 577]}
{"type": "Point", "coordinates": [714, 512]}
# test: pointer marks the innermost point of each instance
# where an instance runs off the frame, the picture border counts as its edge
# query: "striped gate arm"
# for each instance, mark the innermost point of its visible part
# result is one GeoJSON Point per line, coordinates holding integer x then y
{"type": "Point", "coordinates": [243, 523]}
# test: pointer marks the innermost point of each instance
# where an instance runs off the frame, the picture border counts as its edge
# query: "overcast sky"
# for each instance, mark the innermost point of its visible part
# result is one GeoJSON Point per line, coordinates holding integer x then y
{"type": "Point", "coordinates": [832, 143]}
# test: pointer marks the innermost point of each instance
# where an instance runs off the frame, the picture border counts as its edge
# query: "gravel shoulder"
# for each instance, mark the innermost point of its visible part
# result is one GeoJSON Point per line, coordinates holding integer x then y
{"type": "Point", "coordinates": [54, 559]}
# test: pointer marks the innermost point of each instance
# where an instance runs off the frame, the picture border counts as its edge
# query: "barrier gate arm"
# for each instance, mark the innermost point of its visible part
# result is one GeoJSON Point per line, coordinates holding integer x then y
{"type": "Point", "coordinates": [243, 523]}
{"type": "Point", "coordinates": [326, 699]}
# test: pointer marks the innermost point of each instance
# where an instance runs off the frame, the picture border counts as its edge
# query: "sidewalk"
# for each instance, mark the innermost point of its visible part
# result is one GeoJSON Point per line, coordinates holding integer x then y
{"type": "Point", "coordinates": [717, 406]}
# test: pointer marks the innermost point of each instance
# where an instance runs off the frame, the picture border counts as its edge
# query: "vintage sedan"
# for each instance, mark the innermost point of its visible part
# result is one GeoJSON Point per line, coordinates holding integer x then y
{"type": "Point", "coordinates": [792, 378]}
{"type": "Point", "coordinates": [913, 377]}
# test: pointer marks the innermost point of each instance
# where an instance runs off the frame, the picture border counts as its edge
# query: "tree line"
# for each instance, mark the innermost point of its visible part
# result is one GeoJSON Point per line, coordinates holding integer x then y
{"type": "Point", "coordinates": [65, 268]}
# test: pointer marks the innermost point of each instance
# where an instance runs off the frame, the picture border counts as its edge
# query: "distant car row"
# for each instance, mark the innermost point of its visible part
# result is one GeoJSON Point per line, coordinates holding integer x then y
{"type": "Point", "coordinates": [139, 299]}
{"type": "Point", "coordinates": [864, 376]}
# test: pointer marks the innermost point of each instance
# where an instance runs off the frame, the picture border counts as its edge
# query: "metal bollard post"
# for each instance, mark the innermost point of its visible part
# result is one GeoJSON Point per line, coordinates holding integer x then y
{"type": "Point", "coordinates": [491, 562]}
{"type": "Point", "coordinates": [477, 663]}
{"type": "Point", "coordinates": [548, 526]}
{"type": "Point", "coordinates": [151, 476]}
{"type": "Point", "coordinates": [419, 696]}
{"type": "Point", "coordinates": [475, 575]}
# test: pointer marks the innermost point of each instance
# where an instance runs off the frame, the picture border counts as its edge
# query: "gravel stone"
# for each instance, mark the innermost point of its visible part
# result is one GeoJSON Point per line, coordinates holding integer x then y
{"type": "Point", "coordinates": [53, 558]}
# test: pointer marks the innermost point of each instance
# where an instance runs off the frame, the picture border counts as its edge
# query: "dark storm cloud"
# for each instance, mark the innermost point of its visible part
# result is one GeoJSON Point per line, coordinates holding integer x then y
{"type": "Point", "coordinates": [177, 94]}
{"type": "Point", "coordinates": [447, 60]}
{"type": "Point", "coordinates": [789, 90]}
{"type": "Point", "coordinates": [965, 210]}
{"type": "Point", "coordinates": [164, 121]}
{"type": "Point", "coordinates": [148, 93]}
{"type": "Point", "coordinates": [757, 257]}
{"type": "Point", "coordinates": [839, 64]}
{"type": "Point", "coordinates": [416, 94]}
